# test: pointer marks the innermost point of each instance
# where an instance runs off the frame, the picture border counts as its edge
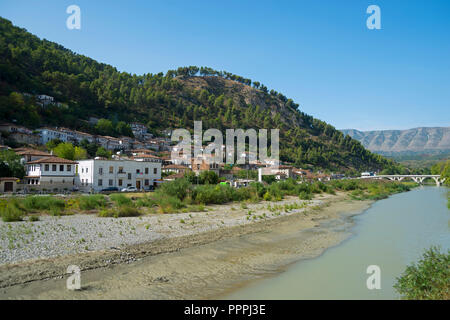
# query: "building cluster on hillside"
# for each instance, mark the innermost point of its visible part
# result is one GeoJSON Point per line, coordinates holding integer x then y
{"type": "Point", "coordinates": [142, 162]}
{"type": "Point", "coordinates": [41, 136]}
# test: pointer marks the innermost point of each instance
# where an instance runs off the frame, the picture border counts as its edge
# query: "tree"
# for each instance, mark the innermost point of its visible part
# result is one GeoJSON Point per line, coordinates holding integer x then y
{"type": "Point", "coordinates": [91, 148]}
{"type": "Point", "coordinates": [102, 152]}
{"type": "Point", "coordinates": [123, 129]}
{"type": "Point", "coordinates": [105, 127]}
{"type": "Point", "coordinates": [65, 150]}
{"type": "Point", "coordinates": [80, 153]}
{"type": "Point", "coordinates": [52, 144]}
{"type": "Point", "coordinates": [208, 177]}
{"type": "Point", "coordinates": [11, 165]}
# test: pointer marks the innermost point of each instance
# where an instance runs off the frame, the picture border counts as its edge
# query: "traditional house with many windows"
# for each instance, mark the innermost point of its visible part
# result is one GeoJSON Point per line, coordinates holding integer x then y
{"type": "Point", "coordinates": [50, 174]}
{"type": "Point", "coordinates": [98, 174]}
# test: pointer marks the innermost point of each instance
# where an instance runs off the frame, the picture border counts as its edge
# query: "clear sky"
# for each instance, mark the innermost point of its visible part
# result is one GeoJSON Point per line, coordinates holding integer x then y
{"type": "Point", "coordinates": [319, 53]}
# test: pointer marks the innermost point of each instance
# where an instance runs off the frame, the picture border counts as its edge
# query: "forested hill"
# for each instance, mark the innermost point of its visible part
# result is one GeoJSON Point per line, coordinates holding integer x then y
{"type": "Point", "coordinates": [171, 100]}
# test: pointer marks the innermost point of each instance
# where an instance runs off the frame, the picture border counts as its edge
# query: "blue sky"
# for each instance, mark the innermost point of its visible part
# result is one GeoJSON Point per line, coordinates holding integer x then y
{"type": "Point", "coordinates": [319, 53]}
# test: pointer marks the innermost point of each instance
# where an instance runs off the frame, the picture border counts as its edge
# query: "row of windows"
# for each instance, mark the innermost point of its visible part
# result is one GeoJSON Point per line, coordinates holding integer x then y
{"type": "Point", "coordinates": [138, 171]}
{"type": "Point", "coordinates": [120, 182]}
{"type": "Point", "coordinates": [36, 181]}
{"type": "Point", "coordinates": [54, 167]}
{"type": "Point", "coordinates": [111, 170]}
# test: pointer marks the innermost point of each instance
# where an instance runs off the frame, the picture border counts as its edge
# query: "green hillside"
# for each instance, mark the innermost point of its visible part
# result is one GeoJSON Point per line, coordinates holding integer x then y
{"type": "Point", "coordinates": [172, 100]}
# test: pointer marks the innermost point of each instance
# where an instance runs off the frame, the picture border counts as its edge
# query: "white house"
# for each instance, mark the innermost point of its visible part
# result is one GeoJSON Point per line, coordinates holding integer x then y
{"type": "Point", "coordinates": [44, 100]}
{"type": "Point", "coordinates": [50, 174]}
{"type": "Point", "coordinates": [139, 130]}
{"type": "Point", "coordinates": [97, 174]}
{"type": "Point", "coordinates": [48, 134]}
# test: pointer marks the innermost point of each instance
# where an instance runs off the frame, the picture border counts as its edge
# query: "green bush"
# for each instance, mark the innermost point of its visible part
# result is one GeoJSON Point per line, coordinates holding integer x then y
{"type": "Point", "coordinates": [169, 204]}
{"type": "Point", "coordinates": [303, 195]}
{"type": "Point", "coordinates": [145, 202]}
{"type": "Point", "coordinates": [120, 212]}
{"type": "Point", "coordinates": [121, 200]}
{"type": "Point", "coordinates": [33, 203]}
{"type": "Point", "coordinates": [11, 213]}
{"type": "Point", "coordinates": [178, 188]}
{"type": "Point", "coordinates": [429, 279]}
{"type": "Point", "coordinates": [92, 202]}
{"type": "Point", "coordinates": [127, 211]}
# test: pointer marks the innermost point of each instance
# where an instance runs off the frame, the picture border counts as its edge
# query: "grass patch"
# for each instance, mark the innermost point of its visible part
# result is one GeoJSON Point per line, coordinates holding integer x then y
{"type": "Point", "coordinates": [121, 200]}
{"type": "Point", "coordinates": [92, 202]}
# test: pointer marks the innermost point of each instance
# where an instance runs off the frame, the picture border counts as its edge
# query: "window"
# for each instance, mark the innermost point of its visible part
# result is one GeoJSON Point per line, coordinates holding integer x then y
{"type": "Point", "coordinates": [100, 170]}
{"type": "Point", "coordinates": [129, 176]}
{"type": "Point", "coordinates": [82, 170]}
{"type": "Point", "coordinates": [54, 167]}
{"type": "Point", "coordinates": [82, 182]}
{"type": "Point", "coordinates": [61, 167]}
{"type": "Point", "coordinates": [110, 182]}
{"type": "Point", "coordinates": [120, 182]}
{"type": "Point", "coordinates": [146, 182]}
{"type": "Point", "coordinates": [87, 169]}
{"type": "Point", "coordinates": [146, 170]}
{"type": "Point", "coordinates": [69, 167]}
{"type": "Point", "coordinates": [155, 170]}
{"type": "Point", "coordinates": [64, 181]}
{"type": "Point", "coordinates": [47, 167]}
{"type": "Point", "coordinates": [100, 182]}
{"type": "Point", "coordinates": [111, 169]}
{"type": "Point", "coordinates": [51, 181]}
{"type": "Point", "coordinates": [138, 171]}
{"type": "Point", "coordinates": [121, 170]}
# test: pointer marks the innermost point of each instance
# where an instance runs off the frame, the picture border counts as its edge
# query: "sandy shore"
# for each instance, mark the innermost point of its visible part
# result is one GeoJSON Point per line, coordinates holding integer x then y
{"type": "Point", "coordinates": [196, 264]}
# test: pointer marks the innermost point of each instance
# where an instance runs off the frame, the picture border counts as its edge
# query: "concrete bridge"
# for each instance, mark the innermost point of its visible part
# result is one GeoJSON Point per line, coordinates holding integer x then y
{"type": "Point", "coordinates": [417, 178]}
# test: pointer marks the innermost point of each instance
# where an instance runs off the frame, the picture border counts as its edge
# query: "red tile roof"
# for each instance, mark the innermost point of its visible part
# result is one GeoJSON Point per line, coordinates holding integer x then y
{"type": "Point", "coordinates": [52, 159]}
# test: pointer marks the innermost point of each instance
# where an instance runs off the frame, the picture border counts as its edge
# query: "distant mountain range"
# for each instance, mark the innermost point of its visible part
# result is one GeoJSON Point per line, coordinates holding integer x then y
{"type": "Point", "coordinates": [432, 141]}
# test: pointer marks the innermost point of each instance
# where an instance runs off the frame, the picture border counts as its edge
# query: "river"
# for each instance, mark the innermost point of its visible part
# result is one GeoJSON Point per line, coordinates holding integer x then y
{"type": "Point", "coordinates": [391, 234]}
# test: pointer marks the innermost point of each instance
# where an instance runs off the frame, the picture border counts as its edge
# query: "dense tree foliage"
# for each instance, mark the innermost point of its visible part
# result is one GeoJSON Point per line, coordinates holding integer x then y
{"type": "Point", "coordinates": [11, 165]}
{"type": "Point", "coordinates": [442, 168]}
{"type": "Point", "coordinates": [161, 101]}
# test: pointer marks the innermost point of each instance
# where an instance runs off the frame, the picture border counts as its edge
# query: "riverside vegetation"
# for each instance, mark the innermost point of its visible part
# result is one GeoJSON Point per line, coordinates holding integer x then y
{"type": "Point", "coordinates": [428, 279]}
{"type": "Point", "coordinates": [183, 196]}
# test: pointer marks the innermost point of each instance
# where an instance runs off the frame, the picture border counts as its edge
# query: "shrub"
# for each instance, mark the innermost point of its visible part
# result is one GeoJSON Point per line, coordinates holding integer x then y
{"type": "Point", "coordinates": [178, 188]}
{"type": "Point", "coordinates": [33, 218]}
{"type": "Point", "coordinates": [127, 211]}
{"type": "Point", "coordinates": [428, 279]}
{"type": "Point", "coordinates": [303, 195]}
{"type": "Point", "coordinates": [168, 204]}
{"type": "Point", "coordinates": [120, 199]}
{"type": "Point", "coordinates": [145, 202]}
{"type": "Point", "coordinates": [122, 211]}
{"type": "Point", "coordinates": [92, 202]}
{"type": "Point", "coordinates": [11, 213]}
{"type": "Point", "coordinates": [32, 203]}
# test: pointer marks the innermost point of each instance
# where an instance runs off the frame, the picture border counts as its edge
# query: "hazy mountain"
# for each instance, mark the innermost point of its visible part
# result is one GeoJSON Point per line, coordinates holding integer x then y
{"type": "Point", "coordinates": [423, 140]}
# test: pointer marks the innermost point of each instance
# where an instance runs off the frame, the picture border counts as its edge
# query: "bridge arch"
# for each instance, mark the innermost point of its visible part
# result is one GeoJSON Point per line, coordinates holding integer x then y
{"type": "Point", "coordinates": [416, 178]}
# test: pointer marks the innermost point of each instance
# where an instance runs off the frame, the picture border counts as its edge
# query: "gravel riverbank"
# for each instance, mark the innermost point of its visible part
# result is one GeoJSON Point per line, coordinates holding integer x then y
{"type": "Point", "coordinates": [226, 244]}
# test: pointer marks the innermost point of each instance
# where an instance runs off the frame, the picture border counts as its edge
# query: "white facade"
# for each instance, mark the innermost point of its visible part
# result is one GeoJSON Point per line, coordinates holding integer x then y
{"type": "Point", "coordinates": [96, 175]}
{"type": "Point", "coordinates": [50, 174]}
{"type": "Point", "coordinates": [48, 134]}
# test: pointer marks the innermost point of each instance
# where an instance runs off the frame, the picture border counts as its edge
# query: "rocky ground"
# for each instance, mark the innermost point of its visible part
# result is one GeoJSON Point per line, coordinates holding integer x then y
{"type": "Point", "coordinates": [57, 236]}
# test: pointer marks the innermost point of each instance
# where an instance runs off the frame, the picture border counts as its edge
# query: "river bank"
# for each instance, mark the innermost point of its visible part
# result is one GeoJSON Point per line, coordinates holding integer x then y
{"type": "Point", "coordinates": [196, 262]}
